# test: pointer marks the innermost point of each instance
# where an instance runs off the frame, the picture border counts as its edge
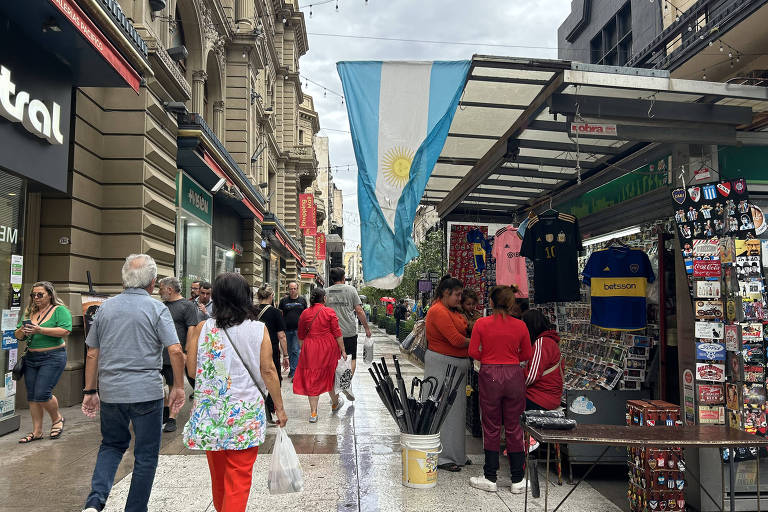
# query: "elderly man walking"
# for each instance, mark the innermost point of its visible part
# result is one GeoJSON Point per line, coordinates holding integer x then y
{"type": "Point", "coordinates": [122, 377]}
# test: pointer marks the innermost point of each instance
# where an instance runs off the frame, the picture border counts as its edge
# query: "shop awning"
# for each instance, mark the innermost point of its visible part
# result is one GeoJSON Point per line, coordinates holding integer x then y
{"type": "Point", "coordinates": [275, 231]}
{"type": "Point", "coordinates": [78, 38]}
{"type": "Point", "coordinates": [528, 128]}
{"type": "Point", "coordinates": [204, 157]}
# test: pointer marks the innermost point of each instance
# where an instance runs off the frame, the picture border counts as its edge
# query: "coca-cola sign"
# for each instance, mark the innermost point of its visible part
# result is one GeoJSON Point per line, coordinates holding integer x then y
{"type": "Point", "coordinates": [706, 268]}
{"type": "Point", "coordinates": [713, 372]}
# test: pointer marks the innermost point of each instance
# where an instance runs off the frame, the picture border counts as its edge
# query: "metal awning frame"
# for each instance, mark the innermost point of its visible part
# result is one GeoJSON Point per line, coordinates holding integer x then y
{"type": "Point", "coordinates": [538, 155]}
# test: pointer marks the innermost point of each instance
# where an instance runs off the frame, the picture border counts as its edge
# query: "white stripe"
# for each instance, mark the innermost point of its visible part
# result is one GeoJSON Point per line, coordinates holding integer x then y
{"type": "Point", "coordinates": [403, 118]}
{"type": "Point", "coordinates": [535, 361]}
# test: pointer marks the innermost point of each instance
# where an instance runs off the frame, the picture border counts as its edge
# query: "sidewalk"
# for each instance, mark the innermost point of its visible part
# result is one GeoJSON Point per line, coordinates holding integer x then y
{"type": "Point", "coordinates": [351, 462]}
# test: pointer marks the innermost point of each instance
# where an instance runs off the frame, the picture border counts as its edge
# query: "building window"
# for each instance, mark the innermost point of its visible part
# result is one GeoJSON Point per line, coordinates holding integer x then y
{"type": "Point", "coordinates": [612, 46]}
{"type": "Point", "coordinates": [301, 136]}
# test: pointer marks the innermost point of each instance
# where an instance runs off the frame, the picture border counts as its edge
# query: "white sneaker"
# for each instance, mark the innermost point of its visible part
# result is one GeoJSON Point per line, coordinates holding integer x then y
{"type": "Point", "coordinates": [313, 418]}
{"type": "Point", "coordinates": [348, 393]}
{"type": "Point", "coordinates": [338, 404]}
{"type": "Point", "coordinates": [480, 482]}
{"type": "Point", "coordinates": [519, 487]}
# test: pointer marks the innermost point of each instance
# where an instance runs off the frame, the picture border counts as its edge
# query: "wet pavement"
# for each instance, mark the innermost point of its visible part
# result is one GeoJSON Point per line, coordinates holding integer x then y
{"type": "Point", "coordinates": [351, 462]}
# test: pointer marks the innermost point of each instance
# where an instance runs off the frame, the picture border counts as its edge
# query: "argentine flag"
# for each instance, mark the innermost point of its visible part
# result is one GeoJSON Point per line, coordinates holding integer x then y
{"type": "Point", "coordinates": [399, 114]}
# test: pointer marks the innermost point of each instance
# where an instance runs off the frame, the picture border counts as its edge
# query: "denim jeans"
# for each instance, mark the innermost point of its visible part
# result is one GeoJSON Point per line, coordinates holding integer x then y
{"type": "Point", "coordinates": [294, 349]}
{"type": "Point", "coordinates": [42, 371]}
{"type": "Point", "coordinates": [147, 420]}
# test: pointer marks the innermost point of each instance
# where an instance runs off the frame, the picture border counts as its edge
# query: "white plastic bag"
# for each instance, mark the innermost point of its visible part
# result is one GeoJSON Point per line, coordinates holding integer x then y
{"type": "Point", "coordinates": [343, 377]}
{"type": "Point", "coordinates": [285, 473]}
{"type": "Point", "coordinates": [368, 350]}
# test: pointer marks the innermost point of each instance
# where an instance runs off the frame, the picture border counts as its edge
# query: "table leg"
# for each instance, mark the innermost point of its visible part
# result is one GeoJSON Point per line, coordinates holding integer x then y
{"type": "Point", "coordinates": [580, 479]}
{"type": "Point", "coordinates": [757, 477]}
{"type": "Point", "coordinates": [689, 472]}
{"type": "Point", "coordinates": [732, 478]}
{"type": "Point", "coordinates": [546, 481]}
{"type": "Point", "coordinates": [527, 443]}
{"type": "Point", "coordinates": [722, 480]}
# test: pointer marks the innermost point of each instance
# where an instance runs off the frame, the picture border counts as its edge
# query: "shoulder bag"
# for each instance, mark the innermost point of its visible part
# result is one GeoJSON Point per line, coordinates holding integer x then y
{"type": "Point", "coordinates": [18, 369]}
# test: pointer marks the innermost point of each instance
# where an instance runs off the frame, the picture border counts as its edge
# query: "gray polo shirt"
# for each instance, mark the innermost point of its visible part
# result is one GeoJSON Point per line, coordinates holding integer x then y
{"type": "Point", "coordinates": [130, 331]}
{"type": "Point", "coordinates": [343, 298]}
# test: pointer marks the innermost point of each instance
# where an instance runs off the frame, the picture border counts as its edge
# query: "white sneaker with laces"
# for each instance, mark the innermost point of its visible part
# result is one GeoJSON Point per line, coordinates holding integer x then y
{"type": "Point", "coordinates": [480, 482]}
{"type": "Point", "coordinates": [518, 487]}
{"type": "Point", "coordinates": [338, 404]}
{"type": "Point", "coordinates": [348, 393]}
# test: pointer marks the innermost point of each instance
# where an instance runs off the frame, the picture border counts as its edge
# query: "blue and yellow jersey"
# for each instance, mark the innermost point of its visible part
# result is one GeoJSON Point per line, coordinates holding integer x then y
{"type": "Point", "coordinates": [480, 248]}
{"type": "Point", "coordinates": [617, 277]}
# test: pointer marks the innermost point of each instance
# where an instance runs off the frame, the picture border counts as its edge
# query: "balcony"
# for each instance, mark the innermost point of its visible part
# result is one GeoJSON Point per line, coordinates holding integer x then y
{"type": "Point", "coordinates": [321, 212]}
{"type": "Point", "coordinates": [275, 230]}
{"type": "Point", "coordinates": [204, 157]}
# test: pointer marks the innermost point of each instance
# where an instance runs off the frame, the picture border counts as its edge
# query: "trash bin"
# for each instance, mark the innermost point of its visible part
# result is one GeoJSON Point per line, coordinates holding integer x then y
{"type": "Point", "coordinates": [420, 454]}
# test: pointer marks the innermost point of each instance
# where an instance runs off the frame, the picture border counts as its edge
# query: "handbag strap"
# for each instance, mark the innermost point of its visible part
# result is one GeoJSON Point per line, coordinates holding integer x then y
{"type": "Point", "coordinates": [264, 310]}
{"type": "Point", "coordinates": [247, 368]}
{"type": "Point", "coordinates": [313, 320]}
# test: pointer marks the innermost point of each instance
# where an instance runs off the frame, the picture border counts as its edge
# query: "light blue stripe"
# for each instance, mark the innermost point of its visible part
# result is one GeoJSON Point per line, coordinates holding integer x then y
{"type": "Point", "coordinates": [446, 86]}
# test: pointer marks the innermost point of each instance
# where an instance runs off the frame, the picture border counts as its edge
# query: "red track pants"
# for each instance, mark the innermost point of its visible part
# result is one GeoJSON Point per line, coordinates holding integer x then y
{"type": "Point", "coordinates": [502, 398]}
{"type": "Point", "coordinates": [231, 478]}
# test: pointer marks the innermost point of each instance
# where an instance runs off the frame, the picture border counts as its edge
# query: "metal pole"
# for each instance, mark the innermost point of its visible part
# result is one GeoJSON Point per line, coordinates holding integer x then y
{"type": "Point", "coordinates": [546, 485]}
{"type": "Point", "coordinates": [527, 469]}
{"type": "Point", "coordinates": [732, 464]}
{"type": "Point", "coordinates": [757, 477]}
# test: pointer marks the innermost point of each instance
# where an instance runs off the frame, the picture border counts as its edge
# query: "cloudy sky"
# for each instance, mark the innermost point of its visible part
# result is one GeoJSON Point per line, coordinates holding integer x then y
{"type": "Point", "coordinates": [525, 28]}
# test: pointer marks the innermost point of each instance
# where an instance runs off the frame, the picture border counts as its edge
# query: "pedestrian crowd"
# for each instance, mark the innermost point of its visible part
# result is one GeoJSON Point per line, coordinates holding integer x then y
{"type": "Point", "coordinates": [232, 349]}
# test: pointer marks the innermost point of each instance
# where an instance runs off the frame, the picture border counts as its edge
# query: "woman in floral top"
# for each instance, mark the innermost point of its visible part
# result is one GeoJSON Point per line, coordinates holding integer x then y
{"type": "Point", "coordinates": [228, 415]}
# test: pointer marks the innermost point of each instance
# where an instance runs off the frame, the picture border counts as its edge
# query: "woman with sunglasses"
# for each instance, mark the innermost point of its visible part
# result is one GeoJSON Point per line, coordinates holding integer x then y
{"type": "Point", "coordinates": [45, 324]}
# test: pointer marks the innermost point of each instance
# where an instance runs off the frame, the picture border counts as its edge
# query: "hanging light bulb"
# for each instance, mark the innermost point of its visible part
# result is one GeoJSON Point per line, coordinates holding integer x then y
{"type": "Point", "coordinates": [325, 93]}
{"type": "Point", "coordinates": [721, 46]}
{"type": "Point", "coordinates": [738, 57]}
{"type": "Point", "coordinates": [244, 56]}
{"type": "Point", "coordinates": [731, 63]}
{"type": "Point", "coordinates": [337, 5]}
{"type": "Point", "coordinates": [730, 55]}
{"type": "Point", "coordinates": [690, 28]}
{"type": "Point", "coordinates": [704, 76]}
{"type": "Point", "coordinates": [342, 100]}
{"type": "Point", "coordinates": [310, 10]}
{"type": "Point", "coordinates": [709, 43]}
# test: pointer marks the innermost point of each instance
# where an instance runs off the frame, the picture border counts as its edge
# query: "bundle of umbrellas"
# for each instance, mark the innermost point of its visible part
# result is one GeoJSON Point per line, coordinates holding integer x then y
{"type": "Point", "coordinates": [415, 413]}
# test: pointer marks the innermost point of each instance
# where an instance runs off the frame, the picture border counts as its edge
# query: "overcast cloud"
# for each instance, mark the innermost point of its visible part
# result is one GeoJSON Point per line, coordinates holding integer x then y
{"type": "Point", "coordinates": [529, 24]}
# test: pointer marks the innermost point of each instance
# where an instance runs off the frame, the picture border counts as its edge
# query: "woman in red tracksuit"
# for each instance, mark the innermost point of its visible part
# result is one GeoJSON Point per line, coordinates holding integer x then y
{"type": "Point", "coordinates": [544, 374]}
{"type": "Point", "coordinates": [501, 342]}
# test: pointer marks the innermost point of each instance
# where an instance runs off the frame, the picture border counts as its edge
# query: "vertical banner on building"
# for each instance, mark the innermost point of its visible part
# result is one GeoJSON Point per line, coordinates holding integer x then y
{"type": "Point", "coordinates": [320, 246]}
{"type": "Point", "coordinates": [311, 228]}
{"type": "Point", "coordinates": [305, 207]}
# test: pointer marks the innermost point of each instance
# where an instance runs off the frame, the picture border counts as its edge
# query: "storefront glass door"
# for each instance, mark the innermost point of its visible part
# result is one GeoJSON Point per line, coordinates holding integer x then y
{"type": "Point", "coordinates": [193, 250]}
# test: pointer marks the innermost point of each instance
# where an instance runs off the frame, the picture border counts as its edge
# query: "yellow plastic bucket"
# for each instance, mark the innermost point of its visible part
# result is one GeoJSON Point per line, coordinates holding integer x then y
{"type": "Point", "coordinates": [420, 454]}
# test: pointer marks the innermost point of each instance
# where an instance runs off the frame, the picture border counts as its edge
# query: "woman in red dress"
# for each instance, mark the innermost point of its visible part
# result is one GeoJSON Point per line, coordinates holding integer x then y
{"type": "Point", "coordinates": [321, 347]}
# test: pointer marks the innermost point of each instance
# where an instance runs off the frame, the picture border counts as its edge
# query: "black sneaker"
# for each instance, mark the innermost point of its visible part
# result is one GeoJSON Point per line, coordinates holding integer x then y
{"type": "Point", "coordinates": [166, 414]}
{"type": "Point", "coordinates": [170, 425]}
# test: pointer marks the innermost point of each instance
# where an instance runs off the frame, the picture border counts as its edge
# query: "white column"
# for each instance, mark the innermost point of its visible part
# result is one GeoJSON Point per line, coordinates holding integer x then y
{"type": "Point", "coordinates": [198, 91]}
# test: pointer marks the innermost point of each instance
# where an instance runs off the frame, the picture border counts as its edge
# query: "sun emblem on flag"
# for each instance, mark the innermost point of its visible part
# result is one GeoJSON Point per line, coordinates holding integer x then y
{"type": "Point", "coordinates": [396, 165]}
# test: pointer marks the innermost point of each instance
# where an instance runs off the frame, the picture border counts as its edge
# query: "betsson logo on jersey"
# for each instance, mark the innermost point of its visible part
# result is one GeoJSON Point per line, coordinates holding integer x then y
{"type": "Point", "coordinates": [619, 286]}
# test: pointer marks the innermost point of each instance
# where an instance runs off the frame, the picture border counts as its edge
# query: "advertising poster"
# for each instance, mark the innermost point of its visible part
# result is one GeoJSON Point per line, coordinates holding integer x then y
{"type": "Point", "coordinates": [91, 303]}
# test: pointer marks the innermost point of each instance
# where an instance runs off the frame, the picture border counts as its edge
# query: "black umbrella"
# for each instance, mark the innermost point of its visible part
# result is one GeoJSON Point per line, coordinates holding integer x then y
{"type": "Point", "coordinates": [409, 421]}
{"type": "Point", "coordinates": [381, 394]}
{"type": "Point", "coordinates": [451, 398]}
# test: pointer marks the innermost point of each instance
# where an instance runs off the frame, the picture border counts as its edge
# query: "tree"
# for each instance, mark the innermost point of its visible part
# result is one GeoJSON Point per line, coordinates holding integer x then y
{"type": "Point", "coordinates": [430, 259]}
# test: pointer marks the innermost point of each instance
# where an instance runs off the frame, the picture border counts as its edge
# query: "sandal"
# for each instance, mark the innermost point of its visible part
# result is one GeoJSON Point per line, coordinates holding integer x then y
{"type": "Point", "coordinates": [453, 468]}
{"type": "Point", "coordinates": [57, 431]}
{"type": "Point", "coordinates": [29, 438]}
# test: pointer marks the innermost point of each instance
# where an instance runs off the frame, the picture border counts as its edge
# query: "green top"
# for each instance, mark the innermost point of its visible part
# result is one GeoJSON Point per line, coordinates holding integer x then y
{"type": "Point", "coordinates": [61, 317]}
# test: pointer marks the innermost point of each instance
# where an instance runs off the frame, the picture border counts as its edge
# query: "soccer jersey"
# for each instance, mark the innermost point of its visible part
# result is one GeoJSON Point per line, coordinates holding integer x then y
{"type": "Point", "coordinates": [480, 247]}
{"type": "Point", "coordinates": [552, 241]}
{"type": "Point", "coordinates": [510, 266]}
{"type": "Point", "coordinates": [617, 277]}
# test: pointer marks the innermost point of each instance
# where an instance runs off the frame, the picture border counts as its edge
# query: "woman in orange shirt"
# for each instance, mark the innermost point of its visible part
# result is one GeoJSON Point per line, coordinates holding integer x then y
{"type": "Point", "coordinates": [447, 343]}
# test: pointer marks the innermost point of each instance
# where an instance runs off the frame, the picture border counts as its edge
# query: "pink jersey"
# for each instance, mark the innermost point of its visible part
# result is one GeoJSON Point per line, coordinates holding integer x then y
{"type": "Point", "coordinates": [510, 266]}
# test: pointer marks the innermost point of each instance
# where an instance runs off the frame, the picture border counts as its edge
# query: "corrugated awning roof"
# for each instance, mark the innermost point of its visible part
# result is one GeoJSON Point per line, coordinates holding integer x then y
{"type": "Point", "coordinates": [510, 145]}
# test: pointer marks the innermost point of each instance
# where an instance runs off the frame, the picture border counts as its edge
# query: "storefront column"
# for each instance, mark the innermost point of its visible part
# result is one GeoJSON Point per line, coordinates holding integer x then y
{"type": "Point", "coordinates": [218, 120]}
{"type": "Point", "coordinates": [198, 91]}
{"type": "Point", "coordinates": [244, 15]}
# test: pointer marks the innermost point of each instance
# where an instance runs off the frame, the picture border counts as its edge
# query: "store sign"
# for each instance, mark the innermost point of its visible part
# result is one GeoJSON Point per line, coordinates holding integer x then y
{"type": "Point", "coordinates": [688, 397]}
{"type": "Point", "coordinates": [311, 228]}
{"type": "Point", "coordinates": [710, 351]}
{"type": "Point", "coordinates": [93, 35]}
{"type": "Point", "coordinates": [712, 330]}
{"type": "Point", "coordinates": [636, 183]}
{"type": "Point", "coordinates": [593, 129]}
{"type": "Point", "coordinates": [711, 415]}
{"type": "Point", "coordinates": [193, 198]}
{"type": "Point", "coordinates": [706, 268]}
{"type": "Point", "coordinates": [19, 106]}
{"type": "Point", "coordinates": [708, 289]}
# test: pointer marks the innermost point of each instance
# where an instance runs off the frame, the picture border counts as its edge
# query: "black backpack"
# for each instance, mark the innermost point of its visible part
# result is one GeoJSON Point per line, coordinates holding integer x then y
{"type": "Point", "coordinates": [400, 312]}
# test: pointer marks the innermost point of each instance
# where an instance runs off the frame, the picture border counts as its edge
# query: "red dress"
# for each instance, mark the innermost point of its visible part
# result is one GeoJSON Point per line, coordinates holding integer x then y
{"type": "Point", "coordinates": [320, 353]}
